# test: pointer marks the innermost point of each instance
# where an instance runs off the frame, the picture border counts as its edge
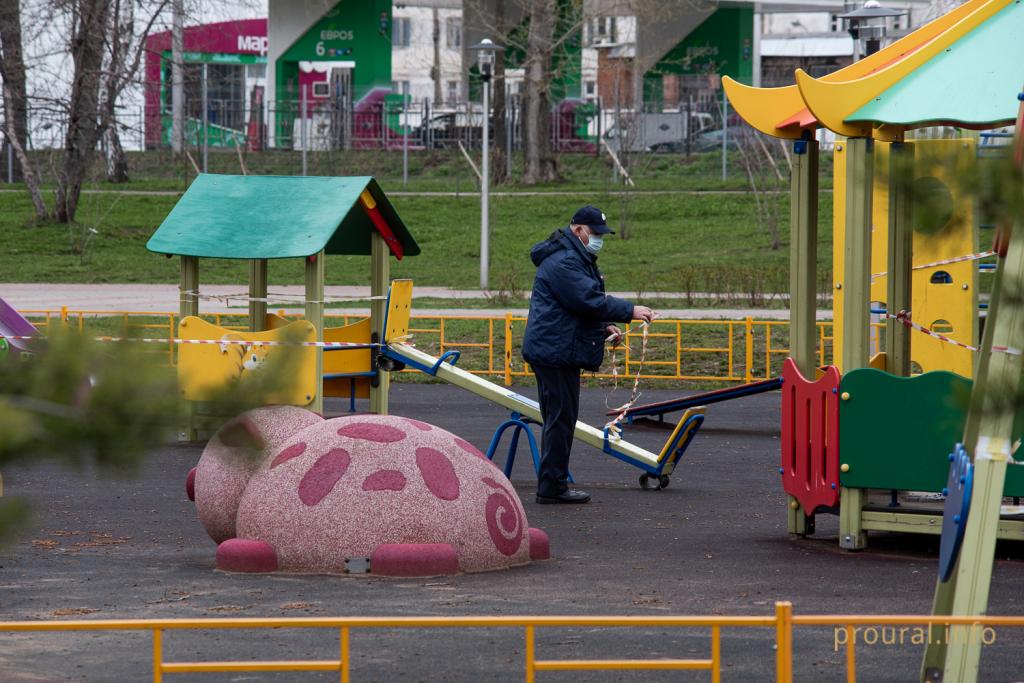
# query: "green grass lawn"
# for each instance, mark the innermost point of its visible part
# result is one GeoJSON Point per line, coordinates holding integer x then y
{"type": "Point", "coordinates": [669, 242]}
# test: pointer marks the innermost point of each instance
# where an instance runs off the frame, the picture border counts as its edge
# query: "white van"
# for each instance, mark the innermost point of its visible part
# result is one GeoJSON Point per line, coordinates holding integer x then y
{"type": "Point", "coordinates": [656, 131]}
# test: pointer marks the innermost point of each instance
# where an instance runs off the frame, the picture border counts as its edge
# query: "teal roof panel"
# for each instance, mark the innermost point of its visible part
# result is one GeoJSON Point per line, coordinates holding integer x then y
{"type": "Point", "coordinates": [268, 217]}
{"type": "Point", "coordinates": [972, 84]}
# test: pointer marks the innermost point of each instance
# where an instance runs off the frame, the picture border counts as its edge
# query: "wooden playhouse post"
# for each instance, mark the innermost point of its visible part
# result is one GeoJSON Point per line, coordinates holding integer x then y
{"type": "Point", "coordinates": [380, 273]}
{"type": "Point", "coordinates": [803, 251]}
{"type": "Point", "coordinates": [257, 290]}
{"type": "Point", "coordinates": [188, 304]}
{"type": "Point", "coordinates": [899, 258]}
{"type": "Point", "coordinates": [987, 436]}
{"type": "Point", "coordinates": [315, 315]}
{"type": "Point", "coordinates": [857, 253]}
{"type": "Point", "coordinates": [856, 303]}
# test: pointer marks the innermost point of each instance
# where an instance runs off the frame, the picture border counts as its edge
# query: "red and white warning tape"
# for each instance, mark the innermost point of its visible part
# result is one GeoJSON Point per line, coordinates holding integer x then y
{"type": "Point", "coordinates": [944, 262]}
{"type": "Point", "coordinates": [612, 426]}
{"type": "Point", "coordinates": [218, 342]}
{"type": "Point", "coordinates": [904, 317]}
{"type": "Point", "coordinates": [272, 298]}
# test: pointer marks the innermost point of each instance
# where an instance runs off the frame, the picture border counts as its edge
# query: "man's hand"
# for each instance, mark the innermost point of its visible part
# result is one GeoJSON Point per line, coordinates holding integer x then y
{"type": "Point", "coordinates": [614, 335]}
{"type": "Point", "coordinates": [643, 313]}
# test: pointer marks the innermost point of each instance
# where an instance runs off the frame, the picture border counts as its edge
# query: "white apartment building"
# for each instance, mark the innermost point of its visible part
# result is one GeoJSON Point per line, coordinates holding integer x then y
{"type": "Point", "coordinates": [427, 40]}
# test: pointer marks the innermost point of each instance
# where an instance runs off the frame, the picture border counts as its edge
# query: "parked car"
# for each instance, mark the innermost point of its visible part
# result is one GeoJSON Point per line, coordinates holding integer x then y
{"type": "Point", "coordinates": [710, 140]}
{"type": "Point", "coordinates": [444, 130]}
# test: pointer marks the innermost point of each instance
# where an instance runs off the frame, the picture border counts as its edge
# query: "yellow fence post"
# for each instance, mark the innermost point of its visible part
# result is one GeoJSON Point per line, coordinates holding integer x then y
{"type": "Point", "coordinates": [784, 642]}
{"type": "Point", "coordinates": [345, 669]}
{"type": "Point", "coordinates": [508, 349]}
{"type": "Point", "coordinates": [748, 373]}
{"type": "Point", "coordinates": [158, 655]}
{"type": "Point", "coordinates": [716, 654]}
{"type": "Point", "coordinates": [531, 671]}
{"type": "Point", "coordinates": [851, 654]}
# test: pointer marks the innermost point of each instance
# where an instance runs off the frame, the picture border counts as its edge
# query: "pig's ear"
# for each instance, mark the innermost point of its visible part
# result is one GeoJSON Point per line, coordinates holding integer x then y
{"type": "Point", "coordinates": [242, 432]}
{"type": "Point", "coordinates": [266, 428]}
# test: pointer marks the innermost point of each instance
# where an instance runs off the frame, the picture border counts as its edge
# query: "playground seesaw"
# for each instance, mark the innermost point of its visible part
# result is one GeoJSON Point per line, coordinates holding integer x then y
{"type": "Point", "coordinates": [395, 354]}
{"type": "Point", "coordinates": [703, 398]}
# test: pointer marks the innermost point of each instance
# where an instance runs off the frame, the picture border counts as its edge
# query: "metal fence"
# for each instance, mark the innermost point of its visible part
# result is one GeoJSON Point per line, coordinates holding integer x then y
{"type": "Point", "coordinates": [974, 631]}
{"type": "Point", "coordinates": [384, 123]}
{"type": "Point", "coordinates": [390, 123]}
{"type": "Point", "coordinates": [698, 351]}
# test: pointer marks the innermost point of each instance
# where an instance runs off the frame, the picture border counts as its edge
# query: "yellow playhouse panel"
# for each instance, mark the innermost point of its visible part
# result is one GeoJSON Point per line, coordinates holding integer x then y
{"type": "Point", "coordinates": [944, 298]}
{"type": "Point", "coordinates": [335, 362]}
{"type": "Point", "coordinates": [399, 310]}
{"type": "Point", "coordinates": [206, 370]}
{"type": "Point", "coordinates": [356, 360]}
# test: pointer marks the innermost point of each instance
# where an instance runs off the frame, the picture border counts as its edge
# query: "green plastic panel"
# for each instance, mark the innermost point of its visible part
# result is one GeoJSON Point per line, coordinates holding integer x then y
{"type": "Point", "coordinates": [973, 83]}
{"type": "Point", "coordinates": [268, 217]}
{"type": "Point", "coordinates": [898, 432]}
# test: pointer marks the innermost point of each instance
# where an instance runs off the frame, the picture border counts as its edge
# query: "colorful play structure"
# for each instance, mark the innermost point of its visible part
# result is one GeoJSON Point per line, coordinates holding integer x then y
{"type": "Point", "coordinates": [14, 330]}
{"type": "Point", "coordinates": [258, 218]}
{"type": "Point", "coordinates": [866, 425]}
{"type": "Point", "coordinates": [309, 218]}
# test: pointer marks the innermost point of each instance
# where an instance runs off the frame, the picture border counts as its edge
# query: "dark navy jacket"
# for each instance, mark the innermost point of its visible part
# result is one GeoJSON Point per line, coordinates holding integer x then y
{"type": "Point", "coordinates": [568, 308]}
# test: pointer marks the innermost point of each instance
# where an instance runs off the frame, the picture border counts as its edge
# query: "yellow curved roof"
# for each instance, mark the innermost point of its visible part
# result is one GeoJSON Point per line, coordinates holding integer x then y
{"type": "Point", "coordinates": [784, 112]}
{"type": "Point", "coordinates": [831, 103]}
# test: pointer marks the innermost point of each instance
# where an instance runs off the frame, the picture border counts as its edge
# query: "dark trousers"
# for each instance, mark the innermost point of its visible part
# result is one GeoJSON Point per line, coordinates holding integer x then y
{"type": "Point", "coordinates": [559, 391]}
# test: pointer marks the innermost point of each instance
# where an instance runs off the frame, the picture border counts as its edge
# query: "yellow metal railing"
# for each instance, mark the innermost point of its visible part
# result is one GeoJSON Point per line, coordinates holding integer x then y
{"type": "Point", "coordinates": [783, 622]}
{"type": "Point", "coordinates": [691, 350]}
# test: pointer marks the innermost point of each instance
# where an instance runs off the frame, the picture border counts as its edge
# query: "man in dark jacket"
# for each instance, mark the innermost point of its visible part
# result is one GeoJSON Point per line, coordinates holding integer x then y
{"type": "Point", "coordinates": [570, 318]}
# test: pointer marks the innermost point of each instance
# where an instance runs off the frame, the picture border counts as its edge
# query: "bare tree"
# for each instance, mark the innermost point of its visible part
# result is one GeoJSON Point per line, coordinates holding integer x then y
{"type": "Point", "coordinates": [122, 20]}
{"type": "Point", "coordinates": [89, 21]}
{"type": "Point", "coordinates": [12, 70]}
{"type": "Point", "coordinates": [499, 163]}
{"type": "Point", "coordinates": [767, 183]}
{"type": "Point", "coordinates": [539, 163]}
{"type": "Point", "coordinates": [121, 66]}
{"type": "Point", "coordinates": [28, 171]}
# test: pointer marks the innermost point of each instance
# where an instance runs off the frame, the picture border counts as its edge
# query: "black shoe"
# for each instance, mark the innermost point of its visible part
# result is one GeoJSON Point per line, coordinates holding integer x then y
{"type": "Point", "coordinates": [567, 496]}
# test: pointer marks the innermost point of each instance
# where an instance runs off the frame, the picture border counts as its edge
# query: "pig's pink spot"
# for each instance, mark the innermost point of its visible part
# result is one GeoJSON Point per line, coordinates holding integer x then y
{"type": "Point", "coordinates": [504, 523]}
{"type": "Point", "coordinates": [323, 476]}
{"type": "Point", "coordinates": [438, 473]}
{"type": "Point", "coordinates": [384, 480]}
{"type": "Point", "coordinates": [293, 451]}
{"type": "Point", "coordinates": [372, 432]}
{"type": "Point", "coordinates": [469, 448]}
{"type": "Point", "coordinates": [422, 426]}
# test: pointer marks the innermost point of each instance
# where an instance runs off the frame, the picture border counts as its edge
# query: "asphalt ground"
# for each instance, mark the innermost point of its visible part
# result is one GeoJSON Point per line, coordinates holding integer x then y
{"type": "Point", "coordinates": [714, 542]}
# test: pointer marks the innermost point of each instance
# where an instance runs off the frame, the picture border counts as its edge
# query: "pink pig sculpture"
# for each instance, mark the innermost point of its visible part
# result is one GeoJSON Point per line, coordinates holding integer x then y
{"type": "Point", "coordinates": [282, 489]}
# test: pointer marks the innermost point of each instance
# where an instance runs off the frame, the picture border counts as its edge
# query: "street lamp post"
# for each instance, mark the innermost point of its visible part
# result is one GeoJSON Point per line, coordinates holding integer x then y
{"type": "Point", "coordinates": [869, 24]}
{"type": "Point", "coordinates": [485, 50]}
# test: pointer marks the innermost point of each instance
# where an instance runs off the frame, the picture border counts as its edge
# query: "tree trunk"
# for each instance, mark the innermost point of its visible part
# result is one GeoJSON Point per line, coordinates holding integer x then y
{"type": "Point", "coordinates": [499, 161]}
{"type": "Point", "coordinates": [122, 22]}
{"type": "Point", "coordinates": [12, 68]}
{"type": "Point", "coordinates": [538, 160]}
{"type": "Point", "coordinates": [28, 172]}
{"type": "Point", "coordinates": [87, 41]}
{"type": "Point", "coordinates": [116, 163]}
{"type": "Point", "coordinates": [435, 69]}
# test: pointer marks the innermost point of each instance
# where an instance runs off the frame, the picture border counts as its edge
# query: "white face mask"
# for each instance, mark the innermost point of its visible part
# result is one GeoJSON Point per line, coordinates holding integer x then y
{"type": "Point", "coordinates": [594, 244]}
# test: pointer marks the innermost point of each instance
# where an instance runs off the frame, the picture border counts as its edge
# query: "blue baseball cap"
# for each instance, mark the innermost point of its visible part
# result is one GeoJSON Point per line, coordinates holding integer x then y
{"type": "Point", "coordinates": [593, 218]}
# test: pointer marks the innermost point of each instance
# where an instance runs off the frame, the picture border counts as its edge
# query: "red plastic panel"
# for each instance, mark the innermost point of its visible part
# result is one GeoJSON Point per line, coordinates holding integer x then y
{"type": "Point", "coordinates": [810, 437]}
